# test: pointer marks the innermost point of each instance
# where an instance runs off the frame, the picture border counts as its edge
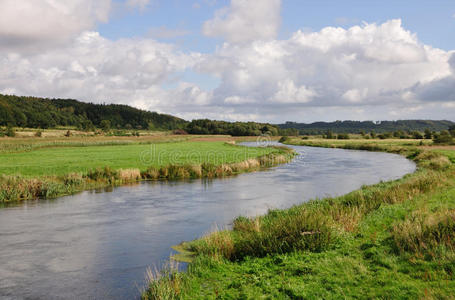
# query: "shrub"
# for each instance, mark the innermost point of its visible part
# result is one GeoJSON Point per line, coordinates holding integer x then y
{"type": "Point", "coordinates": [283, 139]}
{"type": "Point", "coordinates": [417, 135]}
{"type": "Point", "coordinates": [39, 133]}
{"type": "Point", "coordinates": [343, 136]}
{"type": "Point", "coordinates": [180, 132]}
{"type": "Point", "coordinates": [10, 132]}
{"type": "Point", "coordinates": [443, 137]}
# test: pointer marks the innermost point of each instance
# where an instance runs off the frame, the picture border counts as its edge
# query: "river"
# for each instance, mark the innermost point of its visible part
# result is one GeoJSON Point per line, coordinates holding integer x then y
{"type": "Point", "coordinates": [98, 244]}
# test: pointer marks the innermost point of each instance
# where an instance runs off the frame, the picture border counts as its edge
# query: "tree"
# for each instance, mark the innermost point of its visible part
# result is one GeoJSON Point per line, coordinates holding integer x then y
{"type": "Point", "coordinates": [105, 125]}
{"type": "Point", "coordinates": [443, 137]}
{"type": "Point", "coordinates": [452, 130]}
{"type": "Point", "coordinates": [329, 134]}
{"type": "Point", "coordinates": [417, 135]}
{"type": "Point", "coordinates": [372, 134]}
{"type": "Point", "coordinates": [343, 136]}
{"type": "Point", "coordinates": [428, 134]}
{"type": "Point", "coordinates": [10, 132]}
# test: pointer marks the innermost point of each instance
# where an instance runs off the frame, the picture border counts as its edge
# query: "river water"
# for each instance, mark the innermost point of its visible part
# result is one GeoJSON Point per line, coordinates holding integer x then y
{"type": "Point", "coordinates": [98, 244]}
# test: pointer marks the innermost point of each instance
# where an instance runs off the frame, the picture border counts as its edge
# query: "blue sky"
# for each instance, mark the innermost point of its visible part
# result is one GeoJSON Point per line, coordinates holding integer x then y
{"type": "Point", "coordinates": [433, 21]}
{"type": "Point", "coordinates": [260, 60]}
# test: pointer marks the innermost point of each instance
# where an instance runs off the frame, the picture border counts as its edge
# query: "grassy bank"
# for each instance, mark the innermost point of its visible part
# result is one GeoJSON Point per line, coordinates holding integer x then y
{"type": "Point", "coordinates": [51, 171]}
{"type": "Point", "coordinates": [389, 240]}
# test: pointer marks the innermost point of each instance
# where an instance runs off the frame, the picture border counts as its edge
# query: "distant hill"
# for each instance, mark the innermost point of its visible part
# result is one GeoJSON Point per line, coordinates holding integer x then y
{"type": "Point", "coordinates": [47, 113]}
{"type": "Point", "coordinates": [367, 126]}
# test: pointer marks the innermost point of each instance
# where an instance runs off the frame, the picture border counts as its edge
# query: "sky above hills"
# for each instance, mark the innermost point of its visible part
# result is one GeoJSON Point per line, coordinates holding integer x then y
{"type": "Point", "coordinates": [259, 60]}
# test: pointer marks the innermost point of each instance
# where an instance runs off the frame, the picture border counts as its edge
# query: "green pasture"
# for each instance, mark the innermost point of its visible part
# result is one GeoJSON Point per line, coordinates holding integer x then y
{"type": "Point", "coordinates": [64, 160]}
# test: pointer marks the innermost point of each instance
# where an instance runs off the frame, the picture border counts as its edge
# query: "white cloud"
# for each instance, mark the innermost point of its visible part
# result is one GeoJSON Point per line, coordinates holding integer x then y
{"type": "Point", "coordinates": [30, 24]}
{"type": "Point", "coordinates": [364, 66]}
{"type": "Point", "coordinates": [244, 21]}
{"type": "Point", "coordinates": [288, 92]}
{"type": "Point", "coordinates": [363, 72]}
{"type": "Point", "coordinates": [93, 68]}
{"type": "Point", "coordinates": [355, 95]}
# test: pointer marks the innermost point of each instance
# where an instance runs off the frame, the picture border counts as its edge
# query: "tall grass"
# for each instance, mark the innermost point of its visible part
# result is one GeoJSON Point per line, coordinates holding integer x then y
{"type": "Point", "coordinates": [318, 225]}
{"type": "Point", "coordinates": [426, 234]}
{"type": "Point", "coordinates": [164, 284]}
{"type": "Point", "coordinates": [315, 225]}
{"type": "Point", "coordinates": [16, 188]}
{"type": "Point", "coordinates": [211, 170]}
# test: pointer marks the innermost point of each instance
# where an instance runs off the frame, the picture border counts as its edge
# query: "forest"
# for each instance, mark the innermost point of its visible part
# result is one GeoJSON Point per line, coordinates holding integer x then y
{"type": "Point", "coordinates": [45, 113]}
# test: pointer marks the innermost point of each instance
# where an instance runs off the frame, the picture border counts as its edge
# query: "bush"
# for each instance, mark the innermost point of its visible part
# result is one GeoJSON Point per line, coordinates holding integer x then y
{"type": "Point", "coordinates": [10, 132]}
{"type": "Point", "coordinates": [180, 132]}
{"type": "Point", "coordinates": [343, 136]}
{"type": "Point", "coordinates": [39, 133]}
{"type": "Point", "coordinates": [283, 139]}
{"type": "Point", "coordinates": [417, 135]}
{"type": "Point", "coordinates": [443, 137]}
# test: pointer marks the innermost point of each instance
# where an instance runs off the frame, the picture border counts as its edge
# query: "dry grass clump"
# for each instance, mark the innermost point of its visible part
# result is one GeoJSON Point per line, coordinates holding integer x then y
{"type": "Point", "coordinates": [13, 188]}
{"type": "Point", "coordinates": [239, 166]}
{"type": "Point", "coordinates": [196, 170]}
{"type": "Point", "coordinates": [253, 163]}
{"type": "Point", "coordinates": [210, 170]}
{"type": "Point", "coordinates": [426, 234]}
{"type": "Point", "coordinates": [128, 175]}
{"type": "Point", "coordinates": [433, 160]}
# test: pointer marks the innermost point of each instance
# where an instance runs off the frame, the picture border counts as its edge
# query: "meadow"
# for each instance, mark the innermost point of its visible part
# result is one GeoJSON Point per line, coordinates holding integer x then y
{"type": "Point", "coordinates": [45, 168]}
{"type": "Point", "coordinates": [392, 240]}
{"type": "Point", "coordinates": [63, 160]}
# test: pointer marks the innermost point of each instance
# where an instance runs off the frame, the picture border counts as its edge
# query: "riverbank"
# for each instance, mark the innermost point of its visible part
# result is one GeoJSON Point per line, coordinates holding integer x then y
{"type": "Point", "coordinates": [393, 239]}
{"type": "Point", "coordinates": [49, 170]}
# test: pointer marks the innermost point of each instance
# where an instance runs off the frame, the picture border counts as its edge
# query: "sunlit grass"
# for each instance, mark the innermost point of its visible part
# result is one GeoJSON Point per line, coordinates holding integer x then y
{"type": "Point", "coordinates": [393, 239]}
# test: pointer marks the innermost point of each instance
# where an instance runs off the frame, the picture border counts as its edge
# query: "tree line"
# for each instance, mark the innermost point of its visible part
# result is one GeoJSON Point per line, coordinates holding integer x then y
{"type": "Point", "coordinates": [45, 113]}
{"type": "Point", "coordinates": [357, 127]}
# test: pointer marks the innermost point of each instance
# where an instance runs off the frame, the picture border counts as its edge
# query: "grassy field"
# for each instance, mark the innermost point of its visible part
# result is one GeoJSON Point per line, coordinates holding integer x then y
{"type": "Point", "coordinates": [393, 240]}
{"type": "Point", "coordinates": [64, 160]}
{"type": "Point", "coordinates": [50, 167]}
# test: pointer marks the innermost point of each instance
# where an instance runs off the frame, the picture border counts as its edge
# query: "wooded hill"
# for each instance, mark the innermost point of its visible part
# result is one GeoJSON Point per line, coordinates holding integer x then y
{"type": "Point", "coordinates": [367, 126]}
{"type": "Point", "coordinates": [35, 112]}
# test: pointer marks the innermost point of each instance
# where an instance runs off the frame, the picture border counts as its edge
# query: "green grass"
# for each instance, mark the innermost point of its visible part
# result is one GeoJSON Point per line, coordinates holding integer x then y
{"type": "Point", "coordinates": [392, 240]}
{"type": "Point", "coordinates": [449, 153]}
{"type": "Point", "coordinates": [64, 160]}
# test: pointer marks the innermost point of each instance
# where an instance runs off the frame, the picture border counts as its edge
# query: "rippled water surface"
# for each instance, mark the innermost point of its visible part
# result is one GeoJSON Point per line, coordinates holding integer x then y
{"type": "Point", "coordinates": [97, 245]}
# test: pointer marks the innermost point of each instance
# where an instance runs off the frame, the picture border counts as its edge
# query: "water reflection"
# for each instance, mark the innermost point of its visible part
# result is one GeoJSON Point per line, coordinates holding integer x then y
{"type": "Point", "coordinates": [98, 245]}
